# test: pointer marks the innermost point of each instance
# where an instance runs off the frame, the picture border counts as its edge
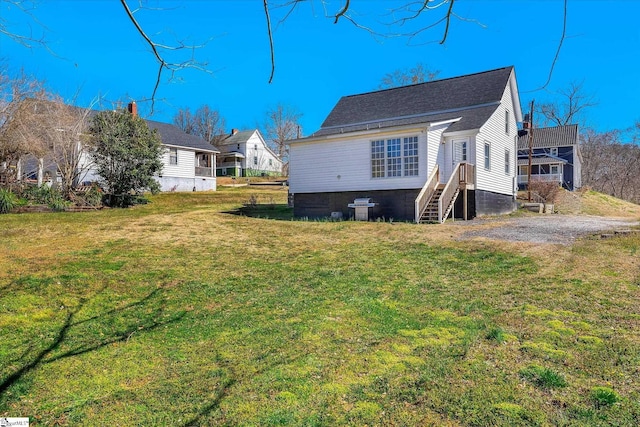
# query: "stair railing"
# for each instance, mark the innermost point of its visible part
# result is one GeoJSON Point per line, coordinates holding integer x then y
{"type": "Point", "coordinates": [449, 192]}
{"type": "Point", "coordinates": [427, 191]}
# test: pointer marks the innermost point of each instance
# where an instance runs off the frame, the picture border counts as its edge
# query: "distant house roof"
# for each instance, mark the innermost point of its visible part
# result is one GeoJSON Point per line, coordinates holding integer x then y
{"type": "Point", "coordinates": [173, 135]}
{"type": "Point", "coordinates": [540, 160]}
{"type": "Point", "coordinates": [557, 136]}
{"type": "Point", "coordinates": [237, 138]}
{"type": "Point", "coordinates": [472, 98]}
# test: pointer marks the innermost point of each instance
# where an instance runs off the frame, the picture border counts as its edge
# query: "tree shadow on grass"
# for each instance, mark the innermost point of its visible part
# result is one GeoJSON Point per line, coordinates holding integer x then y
{"type": "Point", "coordinates": [280, 212]}
{"type": "Point", "coordinates": [87, 335]}
{"type": "Point", "coordinates": [231, 380]}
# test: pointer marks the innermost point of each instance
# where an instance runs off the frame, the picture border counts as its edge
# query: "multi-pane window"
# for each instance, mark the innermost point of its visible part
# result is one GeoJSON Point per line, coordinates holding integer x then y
{"type": "Point", "coordinates": [553, 151]}
{"type": "Point", "coordinates": [411, 156]}
{"type": "Point", "coordinates": [487, 155]}
{"type": "Point", "coordinates": [173, 156]}
{"type": "Point", "coordinates": [394, 157]}
{"type": "Point", "coordinates": [507, 162]}
{"type": "Point", "coordinates": [377, 159]}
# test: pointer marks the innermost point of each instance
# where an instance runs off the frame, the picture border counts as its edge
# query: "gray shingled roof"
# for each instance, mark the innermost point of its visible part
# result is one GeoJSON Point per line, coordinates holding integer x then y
{"type": "Point", "coordinates": [473, 97]}
{"type": "Point", "coordinates": [173, 135]}
{"type": "Point", "coordinates": [237, 138]}
{"type": "Point", "coordinates": [557, 136]}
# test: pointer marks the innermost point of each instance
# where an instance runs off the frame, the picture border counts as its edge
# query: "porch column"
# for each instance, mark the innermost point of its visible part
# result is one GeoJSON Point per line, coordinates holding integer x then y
{"type": "Point", "coordinates": [19, 170]}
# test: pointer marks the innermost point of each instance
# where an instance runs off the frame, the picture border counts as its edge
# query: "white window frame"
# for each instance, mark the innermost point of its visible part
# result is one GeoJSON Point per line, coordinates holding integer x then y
{"type": "Point", "coordinates": [507, 161]}
{"type": "Point", "coordinates": [173, 156]}
{"type": "Point", "coordinates": [487, 155]}
{"type": "Point", "coordinates": [507, 118]}
{"type": "Point", "coordinates": [553, 151]}
{"type": "Point", "coordinates": [394, 157]}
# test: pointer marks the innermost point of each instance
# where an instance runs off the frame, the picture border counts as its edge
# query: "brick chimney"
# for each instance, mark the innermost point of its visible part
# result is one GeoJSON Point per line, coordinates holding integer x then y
{"type": "Point", "coordinates": [133, 108]}
{"type": "Point", "coordinates": [234, 131]}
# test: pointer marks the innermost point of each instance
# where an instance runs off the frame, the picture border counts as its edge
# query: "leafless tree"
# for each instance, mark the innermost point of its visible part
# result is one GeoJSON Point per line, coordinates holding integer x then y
{"type": "Point", "coordinates": [569, 107]}
{"type": "Point", "coordinates": [206, 123]}
{"type": "Point", "coordinates": [14, 91]}
{"type": "Point", "coordinates": [53, 131]}
{"type": "Point", "coordinates": [420, 73]}
{"type": "Point", "coordinates": [282, 125]}
{"type": "Point", "coordinates": [610, 165]}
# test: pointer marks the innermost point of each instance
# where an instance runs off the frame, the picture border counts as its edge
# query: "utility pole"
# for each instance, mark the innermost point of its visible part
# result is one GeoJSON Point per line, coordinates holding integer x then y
{"type": "Point", "coordinates": [530, 151]}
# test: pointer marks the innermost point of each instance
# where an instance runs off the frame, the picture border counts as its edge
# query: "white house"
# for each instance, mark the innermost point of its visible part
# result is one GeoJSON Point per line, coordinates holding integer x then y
{"type": "Point", "coordinates": [245, 153]}
{"type": "Point", "coordinates": [420, 152]}
{"type": "Point", "coordinates": [188, 161]}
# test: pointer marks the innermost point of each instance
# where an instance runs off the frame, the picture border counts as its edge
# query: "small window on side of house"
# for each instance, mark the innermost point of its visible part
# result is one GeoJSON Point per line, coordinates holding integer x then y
{"type": "Point", "coordinates": [507, 162]}
{"type": "Point", "coordinates": [173, 156]}
{"type": "Point", "coordinates": [554, 151]}
{"type": "Point", "coordinates": [270, 162]}
{"type": "Point", "coordinates": [255, 160]}
{"type": "Point", "coordinates": [487, 155]}
{"type": "Point", "coordinates": [506, 121]}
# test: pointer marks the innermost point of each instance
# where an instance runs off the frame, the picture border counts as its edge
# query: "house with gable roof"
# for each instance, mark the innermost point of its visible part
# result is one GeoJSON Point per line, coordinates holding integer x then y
{"type": "Point", "coordinates": [246, 153]}
{"type": "Point", "coordinates": [555, 157]}
{"type": "Point", "coordinates": [421, 152]}
{"type": "Point", "coordinates": [188, 161]}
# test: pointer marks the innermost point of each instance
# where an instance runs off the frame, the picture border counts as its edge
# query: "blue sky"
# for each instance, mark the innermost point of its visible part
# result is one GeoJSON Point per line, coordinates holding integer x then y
{"type": "Point", "coordinates": [97, 52]}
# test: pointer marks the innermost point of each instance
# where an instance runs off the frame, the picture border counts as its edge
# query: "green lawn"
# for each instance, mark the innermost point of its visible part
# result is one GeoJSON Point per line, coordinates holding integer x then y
{"type": "Point", "coordinates": [183, 312]}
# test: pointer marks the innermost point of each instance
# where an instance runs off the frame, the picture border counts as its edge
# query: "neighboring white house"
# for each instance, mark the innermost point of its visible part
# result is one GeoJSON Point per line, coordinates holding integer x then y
{"type": "Point", "coordinates": [419, 152]}
{"type": "Point", "coordinates": [188, 161]}
{"type": "Point", "coordinates": [245, 153]}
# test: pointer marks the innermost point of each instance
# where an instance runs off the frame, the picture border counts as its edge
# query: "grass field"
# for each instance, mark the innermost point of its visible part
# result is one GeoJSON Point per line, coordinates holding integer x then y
{"type": "Point", "coordinates": [182, 312]}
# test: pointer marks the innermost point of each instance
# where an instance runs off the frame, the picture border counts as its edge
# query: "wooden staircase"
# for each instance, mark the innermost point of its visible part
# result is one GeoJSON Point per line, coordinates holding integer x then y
{"type": "Point", "coordinates": [430, 213]}
{"type": "Point", "coordinates": [436, 200]}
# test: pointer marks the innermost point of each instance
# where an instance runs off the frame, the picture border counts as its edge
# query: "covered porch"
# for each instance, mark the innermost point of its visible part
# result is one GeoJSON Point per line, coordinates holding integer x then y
{"type": "Point", "coordinates": [230, 164]}
{"type": "Point", "coordinates": [205, 164]}
{"type": "Point", "coordinates": [543, 168]}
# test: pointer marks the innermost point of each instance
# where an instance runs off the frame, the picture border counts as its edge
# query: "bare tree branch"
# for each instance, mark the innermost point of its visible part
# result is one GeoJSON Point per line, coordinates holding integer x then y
{"type": "Point", "coordinates": [342, 12]}
{"type": "Point", "coordinates": [555, 58]}
{"type": "Point", "coordinates": [270, 34]}
{"type": "Point", "coordinates": [448, 18]}
{"type": "Point", "coordinates": [162, 63]}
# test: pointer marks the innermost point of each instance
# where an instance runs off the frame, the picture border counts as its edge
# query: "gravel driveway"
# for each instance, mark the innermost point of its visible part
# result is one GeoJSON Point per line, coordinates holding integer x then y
{"type": "Point", "coordinates": [554, 229]}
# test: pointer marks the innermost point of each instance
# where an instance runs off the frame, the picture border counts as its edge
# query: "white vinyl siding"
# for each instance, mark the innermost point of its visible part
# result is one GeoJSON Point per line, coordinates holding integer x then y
{"type": "Point", "coordinates": [494, 179]}
{"type": "Point", "coordinates": [345, 164]}
{"type": "Point", "coordinates": [258, 157]}
{"type": "Point", "coordinates": [186, 163]}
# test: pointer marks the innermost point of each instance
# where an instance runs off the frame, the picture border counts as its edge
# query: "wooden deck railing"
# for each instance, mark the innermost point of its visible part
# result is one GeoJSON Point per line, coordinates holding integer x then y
{"type": "Point", "coordinates": [466, 173]}
{"type": "Point", "coordinates": [426, 192]}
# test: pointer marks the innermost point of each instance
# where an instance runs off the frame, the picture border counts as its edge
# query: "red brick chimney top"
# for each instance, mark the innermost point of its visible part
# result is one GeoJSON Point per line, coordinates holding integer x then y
{"type": "Point", "coordinates": [234, 131]}
{"type": "Point", "coordinates": [133, 108]}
